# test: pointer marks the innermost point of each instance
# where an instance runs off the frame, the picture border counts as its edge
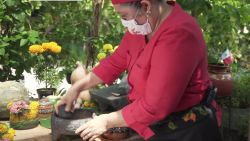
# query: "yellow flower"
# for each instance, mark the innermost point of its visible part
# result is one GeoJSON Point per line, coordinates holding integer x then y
{"type": "Point", "coordinates": [101, 56]}
{"type": "Point", "coordinates": [11, 131]}
{"type": "Point", "coordinates": [9, 105]}
{"type": "Point", "coordinates": [53, 43]}
{"type": "Point", "coordinates": [32, 114]}
{"type": "Point", "coordinates": [107, 47]}
{"type": "Point", "coordinates": [35, 49]}
{"type": "Point", "coordinates": [34, 105]}
{"type": "Point", "coordinates": [8, 136]}
{"type": "Point", "coordinates": [3, 128]}
{"type": "Point", "coordinates": [55, 49]}
{"type": "Point", "coordinates": [46, 46]}
{"type": "Point", "coordinates": [52, 46]}
{"type": "Point", "coordinates": [14, 118]}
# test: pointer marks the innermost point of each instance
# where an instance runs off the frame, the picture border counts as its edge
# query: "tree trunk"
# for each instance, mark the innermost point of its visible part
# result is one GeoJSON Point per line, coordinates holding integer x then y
{"type": "Point", "coordinates": [90, 49]}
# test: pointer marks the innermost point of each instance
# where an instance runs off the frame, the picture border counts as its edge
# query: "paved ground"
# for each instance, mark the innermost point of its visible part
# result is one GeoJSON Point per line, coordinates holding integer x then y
{"type": "Point", "coordinates": [36, 134]}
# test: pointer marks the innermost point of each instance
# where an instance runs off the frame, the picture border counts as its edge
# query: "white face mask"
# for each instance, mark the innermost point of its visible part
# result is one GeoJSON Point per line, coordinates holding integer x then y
{"type": "Point", "coordinates": [134, 28]}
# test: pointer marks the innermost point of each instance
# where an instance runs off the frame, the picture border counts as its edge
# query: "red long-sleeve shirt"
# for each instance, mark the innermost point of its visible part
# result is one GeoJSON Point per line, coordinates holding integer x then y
{"type": "Point", "coordinates": [168, 74]}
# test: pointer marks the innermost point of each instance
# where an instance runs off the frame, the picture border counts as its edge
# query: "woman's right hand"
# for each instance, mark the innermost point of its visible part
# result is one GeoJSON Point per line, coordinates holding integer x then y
{"type": "Point", "coordinates": [89, 81]}
{"type": "Point", "coordinates": [68, 100]}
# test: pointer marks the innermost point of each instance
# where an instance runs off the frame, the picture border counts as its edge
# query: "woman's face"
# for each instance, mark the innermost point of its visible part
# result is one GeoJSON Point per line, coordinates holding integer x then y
{"type": "Point", "coordinates": [130, 12]}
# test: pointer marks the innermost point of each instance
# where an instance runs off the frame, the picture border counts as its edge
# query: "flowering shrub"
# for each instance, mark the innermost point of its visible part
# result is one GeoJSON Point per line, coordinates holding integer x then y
{"type": "Point", "coordinates": [6, 133]}
{"type": "Point", "coordinates": [46, 66]}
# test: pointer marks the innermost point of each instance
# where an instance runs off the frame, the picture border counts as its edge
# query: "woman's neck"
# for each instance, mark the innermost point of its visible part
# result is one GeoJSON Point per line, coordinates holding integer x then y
{"type": "Point", "coordinates": [164, 11]}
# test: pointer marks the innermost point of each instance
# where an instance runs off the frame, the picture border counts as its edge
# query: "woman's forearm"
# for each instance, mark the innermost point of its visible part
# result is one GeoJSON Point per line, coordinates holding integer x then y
{"type": "Point", "coordinates": [87, 82]}
{"type": "Point", "coordinates": [115, 119]}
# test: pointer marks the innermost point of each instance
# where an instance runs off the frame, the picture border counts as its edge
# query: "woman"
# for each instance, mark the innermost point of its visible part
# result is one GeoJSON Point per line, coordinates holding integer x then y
{"type": "Point", "coordinates": [165, 55]}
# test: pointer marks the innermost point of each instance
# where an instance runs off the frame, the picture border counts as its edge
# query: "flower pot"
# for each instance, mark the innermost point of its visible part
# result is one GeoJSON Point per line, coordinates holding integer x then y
{"type": "Point", "coordinates": [44, 92]}
{"type": "Point", "coordinates": [221, 77]}
{"type": "Point", "coordinates": [45, 108]}
{"type": "Point", "coordinates": [24, 121]}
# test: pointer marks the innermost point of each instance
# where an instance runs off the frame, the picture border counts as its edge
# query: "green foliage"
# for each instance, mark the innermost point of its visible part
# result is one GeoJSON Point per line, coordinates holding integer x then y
{"type": "Point", "coordinates": [243, 126]}
{"type": "Point", "coordinates": [47, 58]}
{"type": "Point", "coordinates": [241, 92]}
{"type": "Point", "coordinates": [225, 24]}
{"type": "Point", "coordinates": [70, 23]}
{"type": "Point", "coordinates": [15, 35]}
{"type": "Point", "coordinates": [46, 69]}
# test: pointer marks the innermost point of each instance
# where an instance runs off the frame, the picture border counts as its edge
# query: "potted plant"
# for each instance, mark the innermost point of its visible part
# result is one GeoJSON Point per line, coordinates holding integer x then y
{"type": "Point", "coordinates": [46, 66]}
{"type": "Point", "coordinates": [23, 115]}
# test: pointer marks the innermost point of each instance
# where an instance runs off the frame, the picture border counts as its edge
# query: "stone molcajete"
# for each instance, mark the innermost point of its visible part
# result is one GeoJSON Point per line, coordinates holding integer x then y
{"type": "Point", "coordinates": [109, 99]}
{"type": "Point", "coordinates": [67, 122]}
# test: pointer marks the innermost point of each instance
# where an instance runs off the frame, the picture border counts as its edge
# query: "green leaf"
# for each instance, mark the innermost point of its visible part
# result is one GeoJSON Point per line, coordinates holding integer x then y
{"type": "Point", "coordinates": [33, 40]}
{"type": "Point", "coordinates": [2, 51]}
{"type": "Point", "coordinates": [20, 17]}
{"type": "Point", "coordinates": [10, 2]}
{"type": "Point", "coordinates": [4, 44]}
{"type": "Point", "coordinates": [23, 42]}
{"type": "Point", "coordinates": [33, 33]}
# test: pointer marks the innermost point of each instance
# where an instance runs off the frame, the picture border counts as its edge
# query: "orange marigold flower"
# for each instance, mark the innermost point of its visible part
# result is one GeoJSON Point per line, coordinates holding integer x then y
{"type": "Point", "coordinates": [46, 46]}
{"type": "Point", "coordinates": [35, 49]}
{"type": "Point", "coordinates": [55, 49]}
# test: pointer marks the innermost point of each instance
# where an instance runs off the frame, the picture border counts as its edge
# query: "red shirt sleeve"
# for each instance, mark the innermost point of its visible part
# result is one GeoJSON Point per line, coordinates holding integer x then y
{"type": "Point", "coordinates": [174, 59]}
{"type": "Point", "coordinates": [111, 67]}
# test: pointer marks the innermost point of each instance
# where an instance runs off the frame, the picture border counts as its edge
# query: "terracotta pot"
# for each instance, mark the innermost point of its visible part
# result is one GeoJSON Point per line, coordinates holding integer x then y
{"type": "Point", "coordinates": [221, 77]}
{"type": "Point", "coordinates": [44, 92]}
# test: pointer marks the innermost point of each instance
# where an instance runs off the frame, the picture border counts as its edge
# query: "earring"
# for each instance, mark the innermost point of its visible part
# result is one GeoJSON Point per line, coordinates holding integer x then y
{"type": "Point", "coordinates": [148, 12]}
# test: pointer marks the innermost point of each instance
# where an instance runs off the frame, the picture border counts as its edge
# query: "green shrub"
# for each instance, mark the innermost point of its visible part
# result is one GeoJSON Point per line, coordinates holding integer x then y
{"type": "Point", "coordinates": [241, 90]}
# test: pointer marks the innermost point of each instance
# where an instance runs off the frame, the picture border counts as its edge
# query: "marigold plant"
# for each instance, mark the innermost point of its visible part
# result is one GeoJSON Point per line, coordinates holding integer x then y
{"type": "Point", "coordinates": [47, 62]}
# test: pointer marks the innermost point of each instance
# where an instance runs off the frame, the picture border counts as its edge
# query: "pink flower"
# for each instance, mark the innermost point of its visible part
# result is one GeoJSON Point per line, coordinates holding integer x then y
{"type": "Point", "coordinates": [18, 106]}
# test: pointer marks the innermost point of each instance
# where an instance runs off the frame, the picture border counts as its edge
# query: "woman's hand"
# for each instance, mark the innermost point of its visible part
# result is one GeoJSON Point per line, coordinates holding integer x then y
{"type": "Point", "coordinates": [89, 81]}
{"type": "Point", "coordinates": [94, 128]}
{"type": "Point", "coordinates": [68, 100]}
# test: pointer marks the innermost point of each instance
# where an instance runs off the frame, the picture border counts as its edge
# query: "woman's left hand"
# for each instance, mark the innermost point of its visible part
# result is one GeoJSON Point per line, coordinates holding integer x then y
{"type": "Point", "coordinates": [94, 128]}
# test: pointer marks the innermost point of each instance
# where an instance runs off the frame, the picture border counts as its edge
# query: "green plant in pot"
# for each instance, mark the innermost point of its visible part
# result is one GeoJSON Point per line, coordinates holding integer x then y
{"type": "Point", "coordinates": [46, 66]}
